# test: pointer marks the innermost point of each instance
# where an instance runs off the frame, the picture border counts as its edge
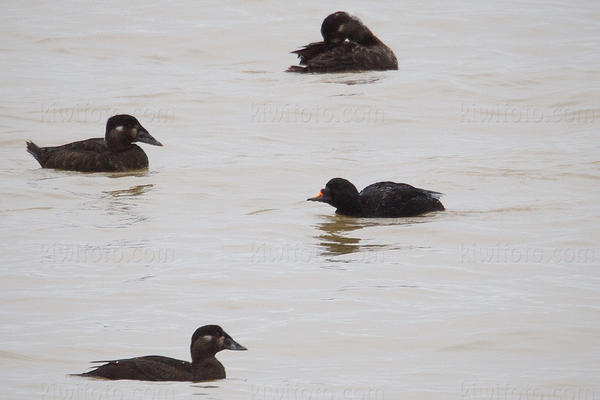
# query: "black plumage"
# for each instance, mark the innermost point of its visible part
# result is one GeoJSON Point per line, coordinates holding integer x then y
{"type": "Point", "coordinates": [116, 152]}
{"type": "Point", "coordinates": [206, 342]}
{"type": "Point", "coordinates": [348, 45]}
{"type": "Point", "coordinates": [381, 199]}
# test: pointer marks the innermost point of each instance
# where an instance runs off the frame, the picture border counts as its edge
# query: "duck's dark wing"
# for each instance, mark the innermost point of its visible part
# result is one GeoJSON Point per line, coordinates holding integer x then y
{"type": "Point", "coordinates": [310, 51]}
{"type": "Point", "coordinates": [148, 368]}
{"type": "Point", "coordinates": [90, 155]}
{"type": "Point", "coordinates": [320, 58]}
{"type": "Point", "coordinates": [350, 56]}
{"type": "Point", "coordinates": [89, 145]}
{"type": "Point", "coordinates": [390, 199]}
{"type": "Point", "coordinates": [307, 53]}
{"type": "Point", "coordinates": [80, 156]}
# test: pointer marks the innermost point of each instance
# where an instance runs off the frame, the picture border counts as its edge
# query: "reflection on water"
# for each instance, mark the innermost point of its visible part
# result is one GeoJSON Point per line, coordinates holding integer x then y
{"type": "Point", "coordinates": [119, 203]}
{"type": "Point", "coordinates": [132, 191]}
{"type": "Point", "coordinates": [333, 240]}
{"type": "Point", "coordinates": [351, 79]}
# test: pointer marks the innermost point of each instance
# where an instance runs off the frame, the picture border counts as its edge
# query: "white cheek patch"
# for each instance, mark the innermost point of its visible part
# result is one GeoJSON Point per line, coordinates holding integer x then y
{"type": "Point", "coordinates": [119, 128]}
{"type": "Point", "coordinates": [207, 338]}
{"type": "Point", "coordinates": [341, 28]}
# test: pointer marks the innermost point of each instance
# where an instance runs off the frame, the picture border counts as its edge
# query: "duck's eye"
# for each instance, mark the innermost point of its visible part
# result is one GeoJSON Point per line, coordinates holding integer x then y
{"type": "Point", "coordinates": [119, 128]}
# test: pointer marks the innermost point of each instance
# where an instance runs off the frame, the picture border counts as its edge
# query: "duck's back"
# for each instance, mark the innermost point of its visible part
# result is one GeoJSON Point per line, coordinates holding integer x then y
{"type": "Point", "coordinates": [390, 199]}
{"type": "Point", "coordinates": [347, 56]}
{"type": "Point", "coordinates": [148, 368]}
{"type": "Point", "coordinates": [91, 155]}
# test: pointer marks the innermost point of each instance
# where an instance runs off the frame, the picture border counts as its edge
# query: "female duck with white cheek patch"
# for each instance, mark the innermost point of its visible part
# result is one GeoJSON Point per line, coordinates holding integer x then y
{"type": "Point", "coordinates": [206, 342]}
{"type": "Point", "coordinates": [116, 152]}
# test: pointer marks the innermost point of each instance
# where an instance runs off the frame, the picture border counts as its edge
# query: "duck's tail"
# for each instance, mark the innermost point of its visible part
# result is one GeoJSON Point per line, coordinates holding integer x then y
{"type": "Point", "coordinates": [435, 195]}
{"type": "Point", "coordinates": [436, 203]}
{"type": "Point", "coordinates": [34, 150]}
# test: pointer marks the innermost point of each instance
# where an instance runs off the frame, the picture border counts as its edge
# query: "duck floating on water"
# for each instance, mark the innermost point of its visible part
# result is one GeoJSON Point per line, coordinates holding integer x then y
{"type": "Point", "coordinates": [347, 46]}
{"type": "Point", "coordinates": [379, 200]}
{"type": "Point", "coordinates": [116, 152]}
{"type": "Point", "coordinates": [207, 341]}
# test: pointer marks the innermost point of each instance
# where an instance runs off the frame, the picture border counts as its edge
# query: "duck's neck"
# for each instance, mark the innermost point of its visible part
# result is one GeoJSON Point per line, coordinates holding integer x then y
{"type": "Point", "coordinates": [208, 368]}
{"type": "Point", "coordinates": [350, 206]}
{"type": "Point", "coordinates": [117, 142]}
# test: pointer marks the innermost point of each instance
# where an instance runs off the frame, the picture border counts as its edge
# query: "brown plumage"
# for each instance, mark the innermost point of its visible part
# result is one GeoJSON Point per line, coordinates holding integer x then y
{"type": "Point", "coordinates": [113, 153]}
{"type": "Point", "coordinates": [207, 341]}
{"type": "Point", "coordinates": [347, 46]}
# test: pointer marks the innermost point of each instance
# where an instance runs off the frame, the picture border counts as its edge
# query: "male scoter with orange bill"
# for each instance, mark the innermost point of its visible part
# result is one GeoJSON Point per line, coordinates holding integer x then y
{"type": "Point", "coordinates": [379, 200]}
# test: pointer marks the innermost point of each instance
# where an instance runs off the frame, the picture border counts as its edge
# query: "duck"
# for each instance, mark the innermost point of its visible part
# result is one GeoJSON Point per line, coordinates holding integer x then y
{"type": "Point", "coordinates": [116, 152]}
{"type": "Point", "coordinates": [347, 46]}
{"type": "Point", "coordinates": [379, 200]}
{"type": "Point", "coordinates": [207, 341]}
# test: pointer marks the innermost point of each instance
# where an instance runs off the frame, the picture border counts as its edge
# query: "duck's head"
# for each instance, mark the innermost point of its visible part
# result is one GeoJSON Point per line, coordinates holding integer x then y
{"type": "Point", "coordinates": [123, 129]}
{"type": "Point", "coordinates": [208, 340]}
{"type": "Point", "coordinates": [341, 194]}
{"type": "Point", "coordinates": [339, 26]}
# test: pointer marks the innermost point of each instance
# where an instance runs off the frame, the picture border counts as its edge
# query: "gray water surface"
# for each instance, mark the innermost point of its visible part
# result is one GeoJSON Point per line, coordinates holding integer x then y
{"type": "Point", "coordinates": [495, 104]}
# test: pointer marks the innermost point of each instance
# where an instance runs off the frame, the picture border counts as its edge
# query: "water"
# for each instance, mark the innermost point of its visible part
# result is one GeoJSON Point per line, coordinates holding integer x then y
{"type": "Point", "coordinates": [495, 104]}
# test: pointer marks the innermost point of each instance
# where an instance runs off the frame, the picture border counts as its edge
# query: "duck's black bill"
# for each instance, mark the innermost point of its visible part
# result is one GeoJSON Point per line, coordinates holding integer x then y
{"type": "Point", "coordinates": [231, 344]}
{"type": "Point", "coordinates": [144, 136]}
